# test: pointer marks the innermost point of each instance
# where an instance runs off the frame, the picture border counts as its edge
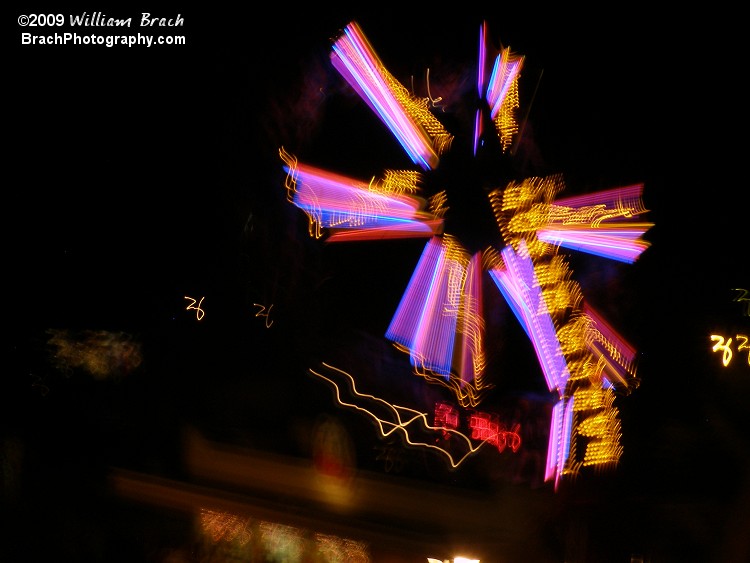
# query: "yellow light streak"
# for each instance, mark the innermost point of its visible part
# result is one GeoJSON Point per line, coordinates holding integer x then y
{"type": "Point", "coordinates": [726, 348]}
{"type": "Point", "coordinates": [402, 419]}
{"type": "Point", "coordinates": [198, 311]}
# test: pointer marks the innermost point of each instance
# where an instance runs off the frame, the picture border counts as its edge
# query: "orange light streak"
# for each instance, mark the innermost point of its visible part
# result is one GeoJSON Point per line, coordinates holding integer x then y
{"type": "Point", "coordinates": [263, 313]}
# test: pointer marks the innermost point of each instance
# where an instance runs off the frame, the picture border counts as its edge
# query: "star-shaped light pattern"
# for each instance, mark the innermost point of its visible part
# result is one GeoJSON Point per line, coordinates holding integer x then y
{"type": "Point", "coordinates": [439, 320]}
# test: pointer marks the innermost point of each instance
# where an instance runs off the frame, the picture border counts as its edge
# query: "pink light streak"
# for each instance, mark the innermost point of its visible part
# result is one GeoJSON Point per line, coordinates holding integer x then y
{"type": "Point", "coordinates": [482, 60]}
{"type": "Point", "coordinates": [518, 284]}
{"type": "Point", "coordinates": [481, 69]}
{"type": "Point", "coordinates": [558, 449]}
{"type": "Point", "coordinates": [505, 70]}
{"type": "Point", "coordinates": [426, 318]}
{"type": "Point", "coordinates": [495, 88]}
{"type": "Point", "coordinates": [439, 319]}
{"type": "Point", "coordinates": [357, 62]}
{"type": "Point", "coordinates": [355, 210]}
{"type": "Point", "coordinates": [599, 224]}
{"type": "Point", "coordinates": [621, 244]}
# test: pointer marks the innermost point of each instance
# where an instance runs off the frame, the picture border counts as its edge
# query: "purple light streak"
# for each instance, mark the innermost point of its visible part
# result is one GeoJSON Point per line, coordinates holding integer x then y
{"type": "Point", "coordinates": [558, 449]}
{"type": "Point", "coordinates": [360, 66]}
{"type": "Point", "coordinates": [599, 224]}
{"type": "Point", "coordinates": [426, 318]}
{"type": "Point", "coordinates": [353, 210]}
{"type": "Point", "coordinates": [478, 122]}
{"type": "Point", "coordinates": [519, 286]}
{"type": "Point", "coordinates": [504, 72]}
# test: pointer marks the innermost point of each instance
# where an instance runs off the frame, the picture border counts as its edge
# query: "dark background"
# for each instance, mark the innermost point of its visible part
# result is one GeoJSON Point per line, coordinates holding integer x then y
{"type": "Point", "coordinates": [141, 176]}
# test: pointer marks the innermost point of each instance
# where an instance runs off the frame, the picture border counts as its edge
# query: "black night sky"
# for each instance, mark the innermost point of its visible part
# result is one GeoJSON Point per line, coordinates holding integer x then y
{"type": "Point", "coordinates": [145, 178]}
